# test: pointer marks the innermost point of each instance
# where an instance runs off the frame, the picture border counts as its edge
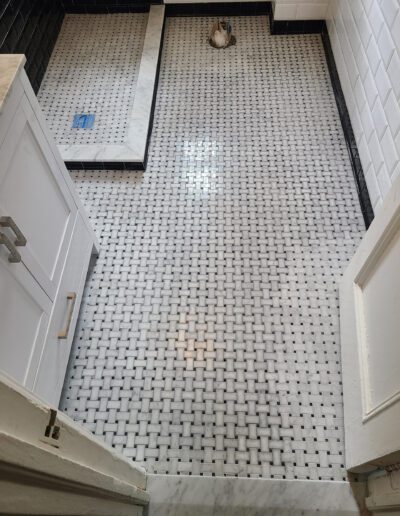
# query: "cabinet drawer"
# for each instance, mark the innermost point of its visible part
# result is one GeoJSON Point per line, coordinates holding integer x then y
{"type": "Point", "coordinates": [54, 360]}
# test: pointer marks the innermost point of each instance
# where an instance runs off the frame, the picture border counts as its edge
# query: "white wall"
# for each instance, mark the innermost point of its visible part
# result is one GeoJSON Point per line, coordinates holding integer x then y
{"type": "Point", "coordinates": [365, 37]}
{"type": "Point", "coordinates": [300, 9]}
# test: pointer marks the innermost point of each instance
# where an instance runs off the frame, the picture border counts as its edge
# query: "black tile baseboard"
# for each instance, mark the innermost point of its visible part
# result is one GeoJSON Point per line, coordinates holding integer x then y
{"type": "Point", "coordinates": [105, 165]}
{"type": "Point", "coordinates": [295, 26]}
{"type": "Point", "coordinates": [218, 9]}
{"type": "Point", "coordinates": [362, 190]}
{"type": "Point", "coordinates": [106, 6]}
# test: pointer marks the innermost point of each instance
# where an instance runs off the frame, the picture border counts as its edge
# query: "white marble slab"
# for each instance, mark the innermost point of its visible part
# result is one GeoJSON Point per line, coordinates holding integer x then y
{"type": "Point", "coordinates": [172, 495]}
{"type": "Point", "coordinates": [10, 66]}
{"type": "Point", "coordinates": [134, 150]}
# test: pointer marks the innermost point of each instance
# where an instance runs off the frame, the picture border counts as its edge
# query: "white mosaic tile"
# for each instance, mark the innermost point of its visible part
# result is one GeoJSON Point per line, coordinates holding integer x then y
{"type": "Point", "coordinates": [93, 70]}
{"type": "Point", "coordinates": [208, 340]}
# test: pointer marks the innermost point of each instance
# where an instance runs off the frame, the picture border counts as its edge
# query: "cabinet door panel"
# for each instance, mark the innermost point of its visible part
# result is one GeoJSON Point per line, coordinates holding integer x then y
{"type": "Point", "coordinates": [36, 198]}
{"type": "Point", "coordinates": [24, 316]}
{"type": "Point", "coordinates": [54, 360]}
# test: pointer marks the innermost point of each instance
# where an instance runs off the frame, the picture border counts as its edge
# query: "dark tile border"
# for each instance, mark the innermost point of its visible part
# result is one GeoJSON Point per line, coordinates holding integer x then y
{"type": "Point", "coordinates": [219, 9]}
{"type": "Point", "coordinates": [104, 165]}
{"type": "Point", "coordinates": [362, 190]}
{"type": "Point", "coordinates": [105, 7]}
{"type": "Point", "coordinates": [153, 102]}
{"type": "Point", "coordinates": [295, 26]}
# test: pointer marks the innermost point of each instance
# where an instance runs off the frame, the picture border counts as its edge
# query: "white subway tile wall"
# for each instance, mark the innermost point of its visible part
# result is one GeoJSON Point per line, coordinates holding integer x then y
{"type": "Point", "coordinates": [365, 37]}
{"type": "Point", "coordinates": [300, 9]}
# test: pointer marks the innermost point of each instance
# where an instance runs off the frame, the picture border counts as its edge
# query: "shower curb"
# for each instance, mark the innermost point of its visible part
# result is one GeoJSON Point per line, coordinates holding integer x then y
{"type": "Point", "coordinates": [131, 155]}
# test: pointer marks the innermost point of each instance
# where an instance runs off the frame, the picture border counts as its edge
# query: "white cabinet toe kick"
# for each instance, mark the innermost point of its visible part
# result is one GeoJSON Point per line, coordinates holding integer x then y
{"type": "Point", "coordinates": [45, 242]}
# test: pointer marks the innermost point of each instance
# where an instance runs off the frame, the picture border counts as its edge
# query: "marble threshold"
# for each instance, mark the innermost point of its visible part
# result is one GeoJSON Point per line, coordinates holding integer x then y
{"type": "Point", "coordinates": [133, 153]}
{"type": "Point", "coordinates": [180, 495]}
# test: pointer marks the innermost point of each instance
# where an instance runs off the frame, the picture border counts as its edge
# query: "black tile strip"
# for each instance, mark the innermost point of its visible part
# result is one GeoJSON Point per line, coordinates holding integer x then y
{"type": "Point", "coordinates": [105, 165]}
{"type": "Point", "coordinates": [362, 190]}
{"type": "Point", "coordinates": [295, 26]}
{"type": "Point", "coordinates": [219, 9]}
{"type": "Point", "coordinates": [153, 102]}
{"type": "Point", "coordinates": [105, 7]}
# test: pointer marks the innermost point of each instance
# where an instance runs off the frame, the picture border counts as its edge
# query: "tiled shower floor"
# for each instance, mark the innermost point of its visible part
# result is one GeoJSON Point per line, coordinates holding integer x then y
{"type": "Point", "coordinates": [93, 70]}
{"type": "Point", "coordinates": [208, 341]}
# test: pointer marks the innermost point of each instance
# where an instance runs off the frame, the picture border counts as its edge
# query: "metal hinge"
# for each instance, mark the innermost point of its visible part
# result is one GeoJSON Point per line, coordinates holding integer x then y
{"type": "Point", "coordinates": [52, 431]}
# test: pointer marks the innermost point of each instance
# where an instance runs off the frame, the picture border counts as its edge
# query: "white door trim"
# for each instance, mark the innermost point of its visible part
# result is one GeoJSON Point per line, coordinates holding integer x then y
{"type": "Point", "coordinates": [370, 340]}
{"type": "Point", "coordinates": [50, 465]}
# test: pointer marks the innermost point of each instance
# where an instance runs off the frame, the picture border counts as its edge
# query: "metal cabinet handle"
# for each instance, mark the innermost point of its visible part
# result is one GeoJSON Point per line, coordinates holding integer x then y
{"type": "Point", "coordinates": [14, 257]}
{"type": "Point", "coordinates": [8, 222]}
{"type": "Point", "coordinates": [71, 298]}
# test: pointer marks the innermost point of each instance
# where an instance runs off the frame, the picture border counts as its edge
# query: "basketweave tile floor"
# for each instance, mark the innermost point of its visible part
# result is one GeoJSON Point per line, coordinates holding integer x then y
{"type": "Point", "coordinates": [208, 340]}
{"type": "Point", "coordinates": [93, 70]}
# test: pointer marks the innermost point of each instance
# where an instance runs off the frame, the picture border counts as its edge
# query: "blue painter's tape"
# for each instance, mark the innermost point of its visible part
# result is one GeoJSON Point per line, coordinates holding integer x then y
{"type": "Point", "coordinates": [83, 121]}
{"type": "Point", "coordinates": [89, 121]}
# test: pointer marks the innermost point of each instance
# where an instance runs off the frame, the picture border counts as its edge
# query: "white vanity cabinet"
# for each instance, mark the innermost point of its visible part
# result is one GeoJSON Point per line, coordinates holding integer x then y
{"type": "Point", "coordinates": [45, 245]}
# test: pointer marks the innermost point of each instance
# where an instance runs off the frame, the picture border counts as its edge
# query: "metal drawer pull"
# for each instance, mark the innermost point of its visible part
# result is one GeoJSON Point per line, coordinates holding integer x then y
{"type": "Point", "coordinates": [8, 222]}
{"type": "Point", "coordinates": [14, 257]}
{"type": "Point", "coordinates": [71, 298]}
